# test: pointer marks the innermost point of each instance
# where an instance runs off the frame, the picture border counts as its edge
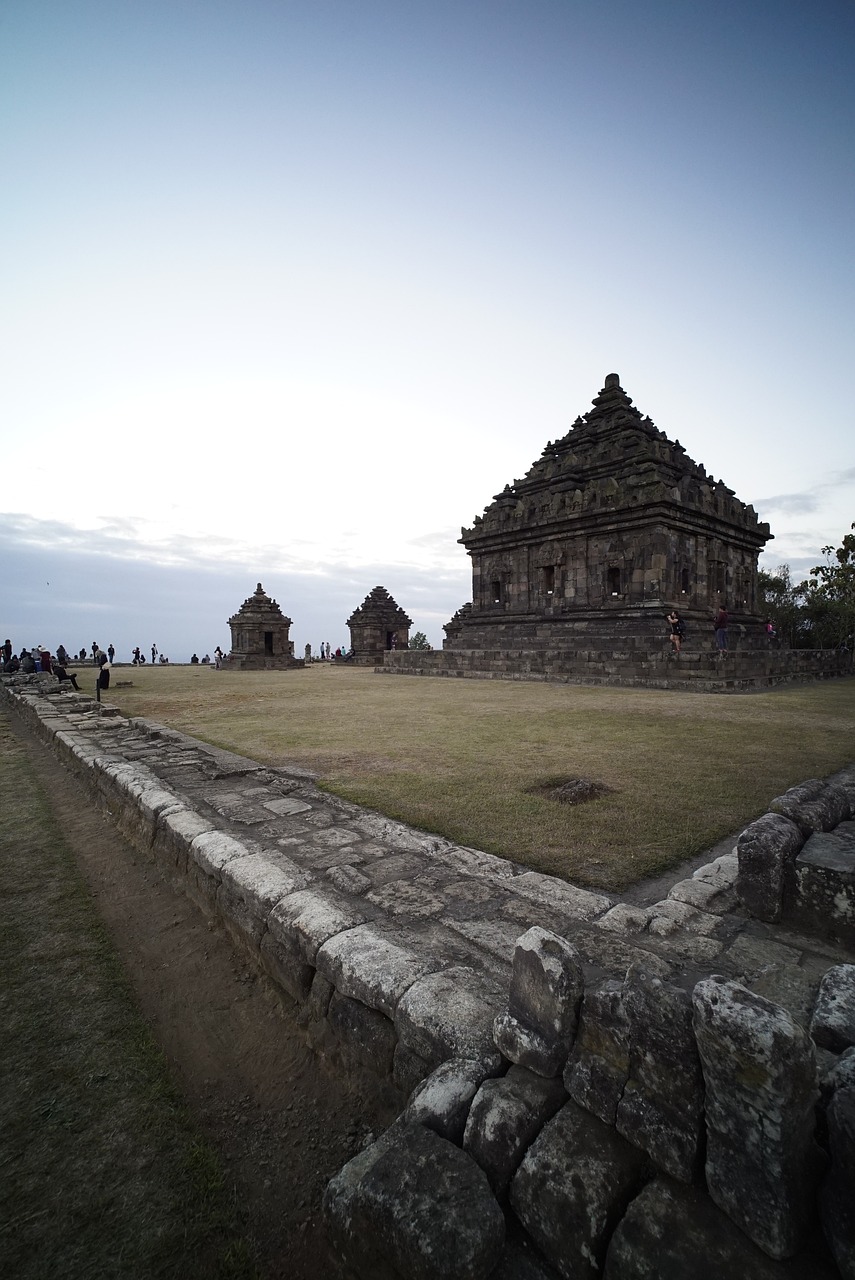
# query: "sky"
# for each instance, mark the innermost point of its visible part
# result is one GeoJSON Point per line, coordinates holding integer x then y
{"type": "Point", "coordinates": [289, 291]}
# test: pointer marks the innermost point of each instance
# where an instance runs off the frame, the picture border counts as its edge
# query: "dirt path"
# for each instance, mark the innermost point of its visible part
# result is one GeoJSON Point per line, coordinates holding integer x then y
{"type": "Point", "coordinates": [281, 1121]}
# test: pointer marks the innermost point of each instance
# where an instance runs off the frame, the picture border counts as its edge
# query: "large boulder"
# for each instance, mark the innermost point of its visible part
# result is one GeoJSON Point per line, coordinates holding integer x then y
{"type": "Point", "coordinates": [761, 1088]}
{"type": "Point", "coordinates": [833, 1022]}
{"type": "Point", "coordinates": [442, 1101]}
{"type": "Point", "coordinates": [450, 1015]}
{"type": "Point", "coordinates": [814, 805]}
{"type": "Point", "coordinates": [414, 1205]}
{"type": "Point", "coordinates": [572, 1189]}
{"type": "Point", "coordinates": [837, 1199]}
{"type": "Point", "coordinates": [763, 850]}
{"type": "Point", "coordinates": [505, 1117]}
{"type": "Point", "coordinates": [672, 1232]}
{"type": "Point", "coordinates": [598, 1067]}
{"type": "Point", "coordinates": [661, 1108]}
{"type": "Point", "coordinates": [547, 984]}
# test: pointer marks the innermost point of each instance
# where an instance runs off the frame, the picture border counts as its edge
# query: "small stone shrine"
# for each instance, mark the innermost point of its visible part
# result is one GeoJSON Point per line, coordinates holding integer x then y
{"type": "Point", "coordinates": [260, 636]}
{"type": "Point", "coordinates": [378, 626]}
{"type": "Point", "coordinates": [613, 525]}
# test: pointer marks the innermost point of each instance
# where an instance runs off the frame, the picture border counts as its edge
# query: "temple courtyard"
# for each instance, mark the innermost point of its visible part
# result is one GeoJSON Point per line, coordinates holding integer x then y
{"type": "Point", "coordinates": [493, 764]}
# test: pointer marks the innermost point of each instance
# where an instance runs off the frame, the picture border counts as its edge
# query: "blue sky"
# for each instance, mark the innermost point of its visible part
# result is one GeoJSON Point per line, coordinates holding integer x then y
{"type": "Point", "coordinates": [289, 291]}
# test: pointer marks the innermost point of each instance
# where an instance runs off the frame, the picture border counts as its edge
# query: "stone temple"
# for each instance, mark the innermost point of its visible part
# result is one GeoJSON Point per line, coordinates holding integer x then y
{"type": "Point", "coordinates": [575, 567]}
{"type": "Point", "coordinates": [612, 526]}
{"type": "Point", "coordinates": [378, 626]}
{"type": "Point", "coordinates": [260, 636]}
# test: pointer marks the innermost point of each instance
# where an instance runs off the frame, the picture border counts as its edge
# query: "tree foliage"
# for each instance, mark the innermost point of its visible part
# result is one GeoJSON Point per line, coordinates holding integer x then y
{"type": "Point", "coordinates": [418, 640]}
{"type": "Point", "coordinates": [818, 613]}
{"type": "Point", "coordinates": [830, 595]}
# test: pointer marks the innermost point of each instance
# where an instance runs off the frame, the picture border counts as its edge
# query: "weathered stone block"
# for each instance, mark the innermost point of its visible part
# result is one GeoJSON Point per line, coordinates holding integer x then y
{"type": "Point", "coordinates": [209, 853]}
{"type": "Point", "coordinates": [833, 1023]}
{"type": "Point", "coordinates": [626, 919]}
{"type": "Point", "coordinates": [414, 1205]}
{"type": "Point", "coordinates": [721, 872]}
{"type": "Point", "coordinates": [442, 1101]}
{"type": "Point", "coordinates": [672, 915]}
{"type": "Point", "coordinates": [819, 890]}
{"type": "Point", "coordinates": [661, 1109]}
{"type": "Point", "coordinates": [176, 832]}
{"type": "Point", "coordinates": [520, 1259]}
{"type": "Point", "coordinates": [813, 805]}
{"type": "Point", "coordinates": [251, 887]}
{"type": "Point", "coordinates": [704, 895]}
{"type": "Point", "coordinates": [505, 1118]}
{"type": "Point", "coordinates": [543, 1005]}
{"type": "Point", "coordinates": [760, 1076]}
{"type": "Point", "coordinates": [287, 967]}
{"type": "Point", "coordinates": [310, 917]}
{"type": "Point", "coordinates": [672, 1232]}
{"type": "Point", "coordinates": [409, 1070]}
{"type": "Point", "coordinates": [598, 1069]}
{"type": "Point", "coordinates": [364, 1035]}
{"type": "Point", "coordinates": [837, 1197]}
{"type": "Point", "coordinates": [449, 1015]}
{"type": "Point", "coordinates": [572, 1189]}
{"type": "Point", "coordinates": [763, 849]}
{"type": "Point", "coordinates": [575, 904]}
{"type": "Point", "coordinates": [362, 963]}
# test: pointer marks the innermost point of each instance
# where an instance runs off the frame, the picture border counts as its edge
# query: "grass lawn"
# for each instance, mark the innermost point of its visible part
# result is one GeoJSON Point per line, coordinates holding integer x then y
{"type": "Point", "coordinates": [459, 757]}
{"type": "Point", "coordinates": [103, 1173]}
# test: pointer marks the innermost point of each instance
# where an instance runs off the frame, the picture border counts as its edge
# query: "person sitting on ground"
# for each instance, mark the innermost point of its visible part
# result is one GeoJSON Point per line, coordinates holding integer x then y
{"type": "Point", "coordinates": [11, 666]}
{"type": "Point", "coordinates": [61, 674]}
{"type": "Point", "coordinates": [206, 661]}
{"type": "Point", "coordinates": [28, 664]}
{"type": "Point", "coordinates": [194, 661]}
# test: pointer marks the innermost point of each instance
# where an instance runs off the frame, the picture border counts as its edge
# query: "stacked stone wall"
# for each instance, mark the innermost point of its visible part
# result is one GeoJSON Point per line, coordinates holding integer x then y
{"type": "Point", "coordinates": [632, 666]}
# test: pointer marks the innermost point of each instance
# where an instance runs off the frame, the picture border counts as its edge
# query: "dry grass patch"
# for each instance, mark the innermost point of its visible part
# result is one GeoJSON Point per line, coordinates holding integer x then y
{"type": "Point", "coordinates": [465, 757]}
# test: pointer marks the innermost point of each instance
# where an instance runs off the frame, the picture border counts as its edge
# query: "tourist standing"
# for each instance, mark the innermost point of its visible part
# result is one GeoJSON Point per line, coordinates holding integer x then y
{"type": "Point", "coordinates": [678, 630]}
{"type": "Point", "coordinates": [720, 627]}
{"type": "Point", "coordinates": [111, 653]}
{"type": "Point", "coordinates": [104, 672]}
{"type": "Point", "coordinates": [7, 650]}
{"type": "Point", "coordinates": [154, 652]}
